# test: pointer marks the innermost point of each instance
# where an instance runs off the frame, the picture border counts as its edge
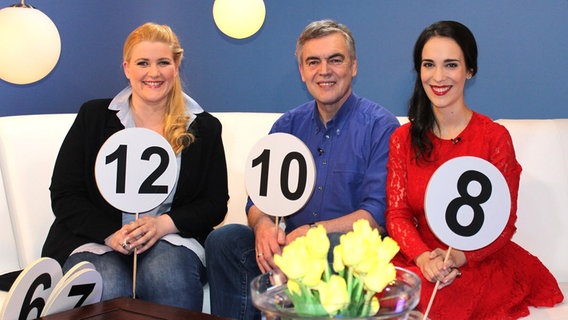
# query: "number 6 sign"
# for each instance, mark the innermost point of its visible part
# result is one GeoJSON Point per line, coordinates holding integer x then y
{"type": "Point", "coordinates": [135, 170]}
{"type": "Point", "coordinates": [280, 174]}
{"type": "Point", "coordinates": [41, 289]}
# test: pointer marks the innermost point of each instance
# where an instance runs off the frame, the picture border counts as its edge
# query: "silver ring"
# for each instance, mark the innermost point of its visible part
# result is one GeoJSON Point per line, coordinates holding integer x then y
{"type": "Point", "coordinates": [124, 245]}
{"type": "Point", "coordinates": [459, 271]}
{"type": "Point", "coordinates": [259, 254]}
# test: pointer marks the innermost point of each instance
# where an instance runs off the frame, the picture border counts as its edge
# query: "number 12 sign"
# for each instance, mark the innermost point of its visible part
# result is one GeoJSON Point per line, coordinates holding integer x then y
{"type": "Point", "coordinates": [280, 174]}
{"type": "Point", "coordinates": [135, 170]}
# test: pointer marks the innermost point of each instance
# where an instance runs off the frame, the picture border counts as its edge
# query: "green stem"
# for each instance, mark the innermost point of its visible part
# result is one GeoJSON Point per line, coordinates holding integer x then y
{"type": "Point", "coordinates": [367, 305]}
{"type": "Point", "coordinates": [346, 311]}
{"type": "Point", "coordinates": [327, 273]}
{"type": "Point", "coordinates": [349, 281]}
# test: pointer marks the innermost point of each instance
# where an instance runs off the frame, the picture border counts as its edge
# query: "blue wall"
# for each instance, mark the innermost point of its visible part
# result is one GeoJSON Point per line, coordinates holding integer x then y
{"type": "Point", "coordinates": [523, 63]}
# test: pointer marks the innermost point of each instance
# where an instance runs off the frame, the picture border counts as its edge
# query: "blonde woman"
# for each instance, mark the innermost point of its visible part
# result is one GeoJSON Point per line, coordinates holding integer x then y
{"type": "Point", "coordinates": [168, 238]}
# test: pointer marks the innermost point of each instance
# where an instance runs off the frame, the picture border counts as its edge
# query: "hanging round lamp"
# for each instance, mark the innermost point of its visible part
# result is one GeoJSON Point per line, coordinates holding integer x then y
{"type": "Point", "coordinates": [239, 19]}
{"type": "Point", "coordinates": [29, 44]}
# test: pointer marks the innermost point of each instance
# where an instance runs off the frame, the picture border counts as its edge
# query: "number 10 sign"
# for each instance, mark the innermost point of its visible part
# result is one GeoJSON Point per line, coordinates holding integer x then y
{"type": "Point", "coordinates": [280, 174]}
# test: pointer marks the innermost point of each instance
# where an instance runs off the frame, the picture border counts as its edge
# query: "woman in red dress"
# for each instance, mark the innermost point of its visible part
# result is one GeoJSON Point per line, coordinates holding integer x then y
{"type": "Point", "coordinates": [500, 280]}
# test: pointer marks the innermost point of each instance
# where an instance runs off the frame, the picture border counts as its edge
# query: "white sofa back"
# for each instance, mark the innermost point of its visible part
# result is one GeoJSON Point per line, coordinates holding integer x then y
{"type": "Point", "coordinates": [8, 250]}
{"type": "Point", "coordinates": [241, 130]}
{"type": "Point", "coordinates": [28, 148]}
{"type": "Point", "coordinates": [29, 145]}
{"type": "Point", "coordinates": [542, 225]}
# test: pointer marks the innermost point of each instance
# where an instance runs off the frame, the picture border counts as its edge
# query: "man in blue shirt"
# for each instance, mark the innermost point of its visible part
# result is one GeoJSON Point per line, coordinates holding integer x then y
{"type": "Point", "coordinates": [348, 137]}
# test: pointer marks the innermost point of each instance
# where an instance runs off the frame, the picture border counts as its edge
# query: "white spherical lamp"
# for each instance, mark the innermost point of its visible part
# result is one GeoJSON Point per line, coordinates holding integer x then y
{"type": "Point", "coordinates": [239, 19]}
{"type": "Point", "coordinates": [29, 44]}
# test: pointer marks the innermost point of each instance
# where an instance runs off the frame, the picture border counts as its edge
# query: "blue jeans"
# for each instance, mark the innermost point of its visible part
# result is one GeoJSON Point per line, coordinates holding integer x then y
{"type": "Point", "coordinates": [166, 274]}
{"type": "Point", "coordinates": [231, 266]}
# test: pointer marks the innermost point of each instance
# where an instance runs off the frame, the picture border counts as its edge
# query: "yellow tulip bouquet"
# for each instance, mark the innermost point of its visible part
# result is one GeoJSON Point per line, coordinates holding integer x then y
{"type": "Point", "coordinates": [361, 268]}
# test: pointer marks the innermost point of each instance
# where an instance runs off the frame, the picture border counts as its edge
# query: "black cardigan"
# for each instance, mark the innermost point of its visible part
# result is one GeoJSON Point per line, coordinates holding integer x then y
{"type": "Point", "coordinates": [81, 213]}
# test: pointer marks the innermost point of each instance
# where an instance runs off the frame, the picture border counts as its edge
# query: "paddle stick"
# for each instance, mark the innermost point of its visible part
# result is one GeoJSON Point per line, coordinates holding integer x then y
{"type": "Point", "coordinates": [435, 287]}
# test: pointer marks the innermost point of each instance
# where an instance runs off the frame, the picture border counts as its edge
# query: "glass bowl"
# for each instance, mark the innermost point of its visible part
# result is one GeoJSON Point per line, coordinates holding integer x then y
{"type": "Point", "coordinates": [398, 299]}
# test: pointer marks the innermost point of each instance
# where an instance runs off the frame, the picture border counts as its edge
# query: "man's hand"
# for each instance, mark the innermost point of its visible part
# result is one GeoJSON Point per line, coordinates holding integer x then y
{"type": "Point", "coordinates": [269, 240]}
{"type": "Point", "coordinates": [296, 233]}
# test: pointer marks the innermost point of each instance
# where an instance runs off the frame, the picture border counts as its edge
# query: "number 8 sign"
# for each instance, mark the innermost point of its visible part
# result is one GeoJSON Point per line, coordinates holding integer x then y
{"type": "Point", "coordinates": [467, 203]}
{"type": "Point", "coordinates": [280, 174]}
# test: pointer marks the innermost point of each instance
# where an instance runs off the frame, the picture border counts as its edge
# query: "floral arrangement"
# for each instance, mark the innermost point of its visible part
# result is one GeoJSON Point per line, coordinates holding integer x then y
{"type": "Point", "coordinates": [361, 268]}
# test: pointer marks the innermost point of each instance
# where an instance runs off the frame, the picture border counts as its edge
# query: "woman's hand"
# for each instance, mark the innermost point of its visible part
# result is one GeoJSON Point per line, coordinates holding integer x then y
{"type": "Point", "coordinates": [433, 267]}
{"type": "Point", "coordinates": [456, 260]}
{"type": "Point", "coordinates": [117, 241]}
{"type": "Point", "coordinates": [142, 233]}
{"type": "Point", "coordinates": [453, 274]}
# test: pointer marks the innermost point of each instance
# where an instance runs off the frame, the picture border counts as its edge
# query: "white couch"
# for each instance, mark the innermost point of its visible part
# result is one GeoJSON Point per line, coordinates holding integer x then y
{"type": "Point", "coordinates": [29, 145]}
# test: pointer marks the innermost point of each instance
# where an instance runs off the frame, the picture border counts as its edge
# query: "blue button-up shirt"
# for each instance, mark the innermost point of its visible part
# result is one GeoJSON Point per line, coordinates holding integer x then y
{"type": "Point", "coordinates": [350, 156]}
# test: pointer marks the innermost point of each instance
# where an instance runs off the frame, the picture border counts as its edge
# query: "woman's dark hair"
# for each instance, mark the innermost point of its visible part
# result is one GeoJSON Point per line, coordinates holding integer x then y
{"type": "Point", "coordinates": [420, 111]}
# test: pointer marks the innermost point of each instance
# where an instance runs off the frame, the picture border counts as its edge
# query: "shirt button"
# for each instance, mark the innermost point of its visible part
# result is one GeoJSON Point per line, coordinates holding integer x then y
{"type": "Point", "coordinates": [327, 136]}
{"type": "Point", "coordinates": [324, 162]}
{"type": "Point", "coordinates": [320, 188]}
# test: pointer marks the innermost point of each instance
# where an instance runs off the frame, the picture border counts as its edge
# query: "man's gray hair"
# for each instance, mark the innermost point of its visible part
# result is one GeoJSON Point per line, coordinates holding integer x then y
{"type": "Point", "coordinates": [322, 28]}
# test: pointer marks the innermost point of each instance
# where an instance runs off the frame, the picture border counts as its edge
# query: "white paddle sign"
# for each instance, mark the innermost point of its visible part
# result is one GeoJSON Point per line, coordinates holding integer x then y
{"type": "Point", "coordinates": [135, 170]}
{"type": "Point", "coordinates": [81, 285]}
{"type": "Point", "coordinates": [467, 205]}
{"type": "Point", "coordinates": [41, 289]}
{"type": "Point", "coordinates": [280, 174]}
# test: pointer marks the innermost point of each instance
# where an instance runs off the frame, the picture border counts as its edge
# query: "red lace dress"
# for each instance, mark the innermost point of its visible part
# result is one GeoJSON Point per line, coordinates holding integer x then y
{"type": "Point", "coordinates": [501, 280]}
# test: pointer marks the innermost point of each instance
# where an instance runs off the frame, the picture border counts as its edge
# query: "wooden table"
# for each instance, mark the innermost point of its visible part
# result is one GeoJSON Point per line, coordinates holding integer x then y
{"type": "Point", "coordinates": [129, 309]}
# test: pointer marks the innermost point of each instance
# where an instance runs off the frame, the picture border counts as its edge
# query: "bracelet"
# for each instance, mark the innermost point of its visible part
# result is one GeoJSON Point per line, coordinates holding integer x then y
{"type": "Point", "coordinates": [312, 225]}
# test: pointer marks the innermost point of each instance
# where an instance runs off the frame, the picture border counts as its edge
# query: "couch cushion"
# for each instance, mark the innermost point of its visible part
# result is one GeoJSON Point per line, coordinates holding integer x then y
{"type": "Point", "coordinates": [241, 130]}
{"type": "Point", "coordinates": [542, 225]}
{"type": "Point", "coordinates": [28, 148]}
{"type": "Point", "coordinates": [559, 312]}
{"type": "Point", "coordinates": [8, 250]}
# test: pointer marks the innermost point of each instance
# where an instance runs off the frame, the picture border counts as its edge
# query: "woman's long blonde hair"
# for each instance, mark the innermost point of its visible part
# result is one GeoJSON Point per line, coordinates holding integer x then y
{"type": "Point", "coordinates": [176, 118]}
